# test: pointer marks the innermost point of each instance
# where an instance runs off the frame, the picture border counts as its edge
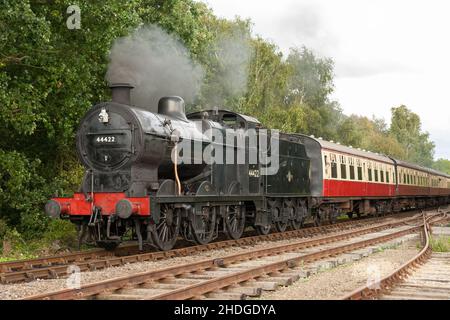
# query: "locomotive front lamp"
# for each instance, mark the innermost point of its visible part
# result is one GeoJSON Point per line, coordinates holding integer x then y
{"type": "Point", "coordinates": [103, 116]}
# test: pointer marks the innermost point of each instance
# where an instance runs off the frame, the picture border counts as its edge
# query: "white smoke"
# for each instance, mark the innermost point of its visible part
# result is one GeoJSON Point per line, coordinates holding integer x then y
{"type": "Point", "coordinates": [234, 54]}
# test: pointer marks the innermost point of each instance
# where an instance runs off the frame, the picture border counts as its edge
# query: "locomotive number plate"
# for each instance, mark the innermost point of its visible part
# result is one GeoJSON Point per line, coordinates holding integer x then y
{"type": "Point", "coordinates": [106, 139]}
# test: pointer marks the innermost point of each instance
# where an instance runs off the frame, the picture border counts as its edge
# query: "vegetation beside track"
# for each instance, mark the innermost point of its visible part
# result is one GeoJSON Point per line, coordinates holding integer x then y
{"type": "Point", "coordinates": [440, 244]}
{"type": "Point", "coordinates": [60, 236]}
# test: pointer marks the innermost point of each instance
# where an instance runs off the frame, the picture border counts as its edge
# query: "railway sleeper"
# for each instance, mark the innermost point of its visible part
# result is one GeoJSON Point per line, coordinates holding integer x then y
{"type": "Point", "coordinates": [425, 287]}
{"type": "Point", "coordinates": [265, 285]}
{"type": "Point", "coordinates": [226, 295]}
{"type": "Point", "coordinates": [249, 291]}
{"type": "Point", "coordinates": [422, 295]}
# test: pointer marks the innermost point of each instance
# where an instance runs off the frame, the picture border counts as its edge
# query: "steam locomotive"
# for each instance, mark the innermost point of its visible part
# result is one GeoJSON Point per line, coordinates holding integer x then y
{"type": "Point", "coordinates": [136, 187]}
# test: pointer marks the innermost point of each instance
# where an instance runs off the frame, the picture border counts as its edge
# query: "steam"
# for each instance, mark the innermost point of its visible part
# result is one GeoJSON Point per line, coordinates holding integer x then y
{"type": "Point", "coordinates": [156, 64]}
{"type": "Point", "coordinates": [233, 53]}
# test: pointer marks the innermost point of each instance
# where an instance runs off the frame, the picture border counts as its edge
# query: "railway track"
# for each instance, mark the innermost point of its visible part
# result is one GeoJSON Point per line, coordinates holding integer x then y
{"type": "Point", "coordinates": [239, 275]}
{"type": "Point", "coordinates": [57, 266]}
{"type": "Point", "coordinates": [425, 276]}
{"type": "Point", "coordinates": [430, 281]}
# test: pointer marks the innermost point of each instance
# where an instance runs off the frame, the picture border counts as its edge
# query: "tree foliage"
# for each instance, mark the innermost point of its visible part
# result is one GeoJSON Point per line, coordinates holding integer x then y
{"type": "Point", "coordinates": [406, 127]}
{"type": "Point", "coordinates": [50, 75]}
{"type": "Point", "coordinates": [442, 165]}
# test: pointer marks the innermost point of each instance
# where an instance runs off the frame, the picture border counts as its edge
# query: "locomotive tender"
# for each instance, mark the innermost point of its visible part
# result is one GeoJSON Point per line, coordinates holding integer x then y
{"type": "Point", "coordinates": [135, 187]}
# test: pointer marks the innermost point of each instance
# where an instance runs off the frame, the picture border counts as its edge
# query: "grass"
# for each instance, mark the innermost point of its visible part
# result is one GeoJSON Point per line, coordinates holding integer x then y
{"type": "Point", "coordinates": [60, 237]}
{"type": "Point", "coordinates": [17, 257]}
{"type": "Point", "coordinates": [441, 244]}
{"type": "Point", "coordinates": [391, 246]}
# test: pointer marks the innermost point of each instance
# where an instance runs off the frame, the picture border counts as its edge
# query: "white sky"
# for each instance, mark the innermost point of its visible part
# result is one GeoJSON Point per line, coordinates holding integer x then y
{"type": "Point", "coordinates": [386, 53]}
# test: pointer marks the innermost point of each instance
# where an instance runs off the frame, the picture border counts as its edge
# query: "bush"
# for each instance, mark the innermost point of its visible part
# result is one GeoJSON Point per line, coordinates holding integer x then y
{"type": "Point", "coordinates": [62, 232]}
{"type": "Point", "coordinates": [18, 247]}
{"type": "Point", "coordinates": [3, 229]}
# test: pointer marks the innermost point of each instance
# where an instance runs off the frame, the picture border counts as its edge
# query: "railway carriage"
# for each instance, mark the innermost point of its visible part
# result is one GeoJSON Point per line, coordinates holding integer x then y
{"type": "Point", "coordinates": [355, 181]}
{"type": "Point", "coordinates": [419, 186]}
{"type": "Point", "coordinates": [349, 180]}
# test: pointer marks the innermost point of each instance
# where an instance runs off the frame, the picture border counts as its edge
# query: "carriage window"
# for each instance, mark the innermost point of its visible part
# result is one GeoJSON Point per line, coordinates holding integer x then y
{"type": "Point", "coordinates": [360, 175]}
{"type": "Point", "coordinates": [370, 174]}
{"type": "Point", "coordinates": [404, 178]}
{"type": "Point", "coordinates": [334, 170]}
{"type": "Point", "coordinates": [382, 176]}
{"type": "Point", "coordinates": [387, 176]}
{"type": "Point", "coordinates": [343, 171]}
{"type": "Point", "coordinates": [352, 172]}
{"type": "Point", "coordinates": [376, 175]}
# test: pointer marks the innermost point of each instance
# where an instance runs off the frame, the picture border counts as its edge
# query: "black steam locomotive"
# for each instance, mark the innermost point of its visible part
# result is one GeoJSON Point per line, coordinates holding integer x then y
{"type": "Point", "coordinates": [136, 187]}
{"type": "Point", "coordinates": [133, 188]}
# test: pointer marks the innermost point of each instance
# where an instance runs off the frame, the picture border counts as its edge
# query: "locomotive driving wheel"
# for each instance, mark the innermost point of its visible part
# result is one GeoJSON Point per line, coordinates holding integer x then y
{"type": "Point", "coordinates": [280, 223]}
{"type": "Point", "coordinates": [263, 230]}
{"type": "Point", "coordinates": [298, 218]}
{"type": "Point", "coordinates": [234, 221]}
{"type": "Point", "coordinates": [165, 233]}
{"type": "Point", "coordinates": [203, 225]}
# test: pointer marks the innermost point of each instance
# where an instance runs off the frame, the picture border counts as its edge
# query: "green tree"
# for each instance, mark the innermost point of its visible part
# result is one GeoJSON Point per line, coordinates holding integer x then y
{"type": "Point", "coordinates": [267, 79]}
{"type": "Point", "coordinates": [311, 78]}
{"type": "Point", "coordinates": [50, 75]}
{"type": "Point", "coordinates": [406, 128]}
{"type": "Point", "coordinates": [442, 165]}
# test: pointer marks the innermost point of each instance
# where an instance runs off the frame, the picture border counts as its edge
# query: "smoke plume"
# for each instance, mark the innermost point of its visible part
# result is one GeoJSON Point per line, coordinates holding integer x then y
{"type": "Point", "coordinates": [233, 54]}
{"type": "Point", "coordinates": [156, 64]}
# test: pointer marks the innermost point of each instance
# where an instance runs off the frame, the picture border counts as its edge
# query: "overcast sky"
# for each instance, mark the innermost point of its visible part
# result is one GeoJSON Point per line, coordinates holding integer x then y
{"type": "Point", "coordinates": [386, 53]}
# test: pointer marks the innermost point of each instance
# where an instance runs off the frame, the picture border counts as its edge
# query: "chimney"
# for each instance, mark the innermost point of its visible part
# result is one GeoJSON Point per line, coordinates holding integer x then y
{"type": "Point", "coordinates": [121, 92]}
